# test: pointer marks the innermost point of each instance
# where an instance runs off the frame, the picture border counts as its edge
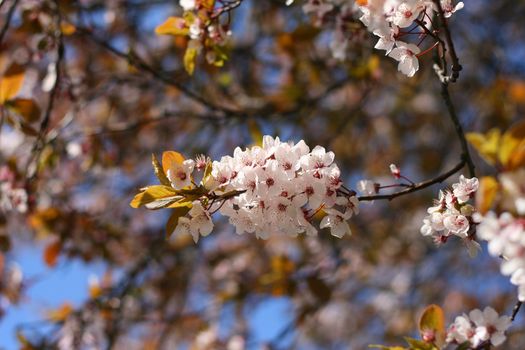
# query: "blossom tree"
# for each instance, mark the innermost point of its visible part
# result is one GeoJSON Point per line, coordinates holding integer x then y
{"type": "Point", "coordinates": [316, 153]}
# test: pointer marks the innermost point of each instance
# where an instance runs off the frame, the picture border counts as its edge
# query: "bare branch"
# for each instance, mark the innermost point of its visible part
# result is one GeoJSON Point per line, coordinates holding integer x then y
{"type": "Point", "coordinates": [417, 186]}
{"type": "Point", "coordinates": [8, 19]}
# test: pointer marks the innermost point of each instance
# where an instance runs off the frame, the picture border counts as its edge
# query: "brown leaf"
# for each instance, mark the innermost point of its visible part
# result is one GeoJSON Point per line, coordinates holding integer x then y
{"type": "Point", "coordinates": [51, 253]}
{"type": "Point", "coordinates": [11, 82]}
{"type": "Point", "coordinates": [27, 108]}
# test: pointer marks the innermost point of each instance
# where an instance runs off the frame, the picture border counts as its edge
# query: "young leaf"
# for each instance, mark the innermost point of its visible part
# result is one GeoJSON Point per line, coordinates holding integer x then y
{"type": "Point", "coordinates": [27, 108]}
{"type": "Point", "coordinates": [51, 253]}
{"type": "Point", "coordinates": [11, 82]}
{"type": "Point", "coordinates": [488, 188]}
{"type": "Point", "coordinates": [511, 153]}
{"type": "Point", "coordinates": [173, 220]}
{"type": "Point", "coordinates": [154, 193]}
{"type": "Point", "coordinates": [159, 171]}
{"type": "Point", "coordinates": [172, 26]}
{"type": "Point", "coordinates": [486, 145]}
{"type": "Point", "coordinates": [416, 344]}
{"type": "Point", "coordinates": [170, 158]}
{"type": "Point", "coordinates": [432, 322]}
{"type": "Point", "coordinates": [190, 59]}
{"type": "Point", "coordinates": [375, 346]}
{"type": "Point", "coordinates": [60, 314]}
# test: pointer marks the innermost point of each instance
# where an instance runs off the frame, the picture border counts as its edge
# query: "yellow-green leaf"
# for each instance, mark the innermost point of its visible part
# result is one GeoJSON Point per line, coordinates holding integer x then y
{"type": "Point", "coordinates": [190, 59]}
{"type": "Point", "coordinates": [487, 145]}
{"type": "Point", "coordinates": [170, 158]}
{"type": "Point", "coordinates": [375, 346]}
{"type": "Point", "coordinates": [11, 82]}
{"type": "Point", "coordinates": [27, 108]}
{"type": "Point", "coordinates": [488, 188]}
{"type": "Point", "coordinates": [173, 220]}
{"type": "Point", "coordinates": [208, 4]}
{"type": "Point", "coordinates": [432, 322]}
{"type": "Point", "coordinates": [159, 171]}
{"type": "Point", "coordinates": [416, 344]}
{"type": "Point", "coordinates": [255, 132]}
{"type": "Point", "coordinates": [156, 193]}
{"type": "Point", "coordinates": [512, 148]}
{"type": "Point", "coordinates": [172, 26]}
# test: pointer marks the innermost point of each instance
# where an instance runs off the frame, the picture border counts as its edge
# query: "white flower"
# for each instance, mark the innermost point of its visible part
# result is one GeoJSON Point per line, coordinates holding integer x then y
{"type": "Point", "coordinates": [514, 190]}
{"type": "Point", "coordinates": [457, 224]}
{"type": "Point", "coordinates": [406, 54]}
{"type": "Point", "coordinates": [449, 8]}
{"type": "Point", "coordinates": [406, 12]}
{"type": "Point", "coordinates": [187, 5]}
{"type": "Point", "coordinates": [337, 223]}
{"type": "Point", "coordinates": [489, 326]}
{"type": "Point", "coordinates": [506, 238]}
{"type": "Point", "coordinates": [180, 174]}
{"type": "Point", "coordinates": [386, 36]}
{"type": "Point", "coordinates": [367, 187]}
{"type": "Point", "coordinates": [461, 330]}
{"type": "Point", "coordinates": [199, 223]}
{"type": "Point", "coordinates": [465, 188]}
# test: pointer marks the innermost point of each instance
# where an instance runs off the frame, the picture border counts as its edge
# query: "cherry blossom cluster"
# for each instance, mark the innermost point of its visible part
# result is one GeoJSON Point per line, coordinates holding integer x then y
{"type": "Point", "coordinates": [278, 188]}
{"type": "Point", "coordinates": [452, 215]}
{"type": "Point", "coordinates": [479, 327]}
{"type": "Point", "coordinates": [506, 239]}
{"type": "Point", "coordinates": [393, 20]}
{"type": "Point", "coordinates": [13, 196]}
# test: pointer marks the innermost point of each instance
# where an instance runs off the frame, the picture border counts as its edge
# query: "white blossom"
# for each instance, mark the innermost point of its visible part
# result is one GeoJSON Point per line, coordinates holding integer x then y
{"type": "Point", "coordinates": [478, 327]}
{"type": "Point", "coordinates": [452, 215]}
{"type": "Point", "coordinates": [406, 54]}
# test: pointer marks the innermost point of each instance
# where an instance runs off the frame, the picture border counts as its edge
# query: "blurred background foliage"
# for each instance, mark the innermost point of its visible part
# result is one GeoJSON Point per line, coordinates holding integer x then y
{"type": "Point", "coordinates": [120, 93]}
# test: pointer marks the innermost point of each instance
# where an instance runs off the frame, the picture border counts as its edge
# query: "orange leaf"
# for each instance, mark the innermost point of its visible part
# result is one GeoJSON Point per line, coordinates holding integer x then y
{"type": "Point", "coordinates": [51, 253]}
{"type": "Point", "coordinates": [11, 82]}
{"type": "Point", "coordinates": [60, 314]}
{"type": "Point", "coordinates": [173, 26]}
{"type": "Point", "coordinates": [170, 158]}
{"type": "Point", "coordinates": [488, 188]}
{"type": "Point", "coordinates": [27, 108]}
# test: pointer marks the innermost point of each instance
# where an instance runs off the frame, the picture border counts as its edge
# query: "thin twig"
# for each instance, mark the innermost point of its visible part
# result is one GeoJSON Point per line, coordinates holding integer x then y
{"type": "Point", "coordinates": [456, 67]}
{"type": "Point", "coordinates": [417, 186]}
{"type": "Point", "coordinates": [44, 124]}
{"type": "Point", "coordinates": [138, 63]}
{"type": "Point", "coordinates": [515, 310]}
{"type": "Point", "coordinates": [459, 129]}
{"type": "Point", "coordinates": [8, 19]}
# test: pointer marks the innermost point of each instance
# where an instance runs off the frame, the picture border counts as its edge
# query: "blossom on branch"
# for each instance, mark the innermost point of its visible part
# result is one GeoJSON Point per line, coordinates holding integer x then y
{"type": "Point", "coordinates": [452, 215]}
{"type": "Point", "coordinates": [276, 188]}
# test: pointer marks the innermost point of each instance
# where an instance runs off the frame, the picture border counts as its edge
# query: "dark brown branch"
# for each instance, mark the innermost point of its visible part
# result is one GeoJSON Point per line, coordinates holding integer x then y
{"type": "Point", "coordinates": [139, 64]}
{"type": "Point", "coordinates": [417, 186]}
{"type": "Point", "coordinates": [515, 310]}
{"type": "Point", "coordinates": [44, 124]}
{"type": "Point", "coordinates": [456, 67]}
{"type": "Point", "coordinates": [459, 129]}
{"type": "Point", "coordinates": [8, 19]}
{"type": "Point", "coordinates": [226, 8]}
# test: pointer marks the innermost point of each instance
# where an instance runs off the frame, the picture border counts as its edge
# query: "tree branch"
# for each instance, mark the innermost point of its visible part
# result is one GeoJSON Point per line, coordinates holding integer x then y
{"type": "Point", "coordinates": [8, 19]}
{"type": "Point", "coordinates": [417, 186]}
{"type": "Point", "coordinates": [459, 129]}
{"type": "Point", "coordinates": [138, 63]}
{"type": "Point", "coordinates": [456, 67]}
{"type": "Point", "coordinates": [44, 124]}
